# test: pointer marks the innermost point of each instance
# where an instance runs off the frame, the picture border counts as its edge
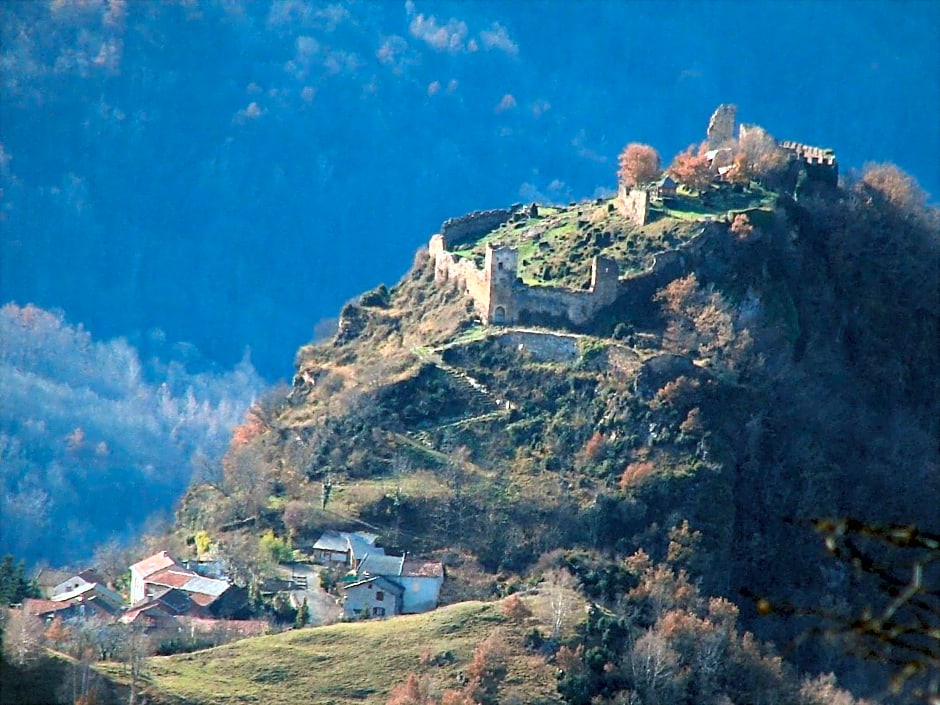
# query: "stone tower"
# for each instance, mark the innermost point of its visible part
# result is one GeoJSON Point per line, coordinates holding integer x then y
{"type": "Point", "coordinates": [721, 125]}
{"type": "Point", "coordinates": [605, 276]}
{"type": "Point", "coordinates": [499, 268]}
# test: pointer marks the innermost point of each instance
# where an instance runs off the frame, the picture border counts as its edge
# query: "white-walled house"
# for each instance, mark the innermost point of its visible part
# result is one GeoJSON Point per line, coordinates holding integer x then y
{"type": "Point", "coordinates": [422, 581]}
{"type": "Point", "coordinates": [419, 581]}
{"type": "Point", "coordinates": [142, 570]}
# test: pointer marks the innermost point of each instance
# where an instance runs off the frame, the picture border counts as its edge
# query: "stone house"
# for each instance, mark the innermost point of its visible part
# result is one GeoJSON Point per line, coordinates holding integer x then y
{"type": "Point", "coordinates": [159, 574]}
{"type": "Point", "coordinates": [345, 548]}
{"type": "Point", "coordinates": [666, 187]}
{"type": "Point", "coordinates": [91, 600]}
{"type": "Point", "coordinates": [141, 570]}
{"type": "Point", "coordinates": [418, 584]}
{"type": "Point", "coordinates": [374, 596]}
{"type": "Point", "coordinates": [88, 576]}
{"type": "Point", "coordinates": [422, 581]}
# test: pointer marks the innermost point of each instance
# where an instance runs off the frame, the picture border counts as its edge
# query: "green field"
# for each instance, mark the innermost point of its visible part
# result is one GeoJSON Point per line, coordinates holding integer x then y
{"type": "Point", "coordinates": [342, 664]}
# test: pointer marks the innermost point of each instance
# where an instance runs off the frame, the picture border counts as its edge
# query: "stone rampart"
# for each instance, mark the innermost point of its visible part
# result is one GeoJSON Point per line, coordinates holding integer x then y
{"type": "Point", "coordinates": [554, 347]}
{"type": "Point", "coordinates": [476, 224]}
{"type": "Point", "coordinates": [449, 267]}
{"type": "Point", "coordinates": [500, 297]}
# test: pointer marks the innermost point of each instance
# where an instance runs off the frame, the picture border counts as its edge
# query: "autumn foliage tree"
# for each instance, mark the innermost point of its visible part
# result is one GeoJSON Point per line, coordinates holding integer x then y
{"type": "Point", "coordinates": [639, 163]}
{"type": "Point", "coordinates": [891, 184]}
{"type": "Point", "coordinates": [691, 168]}
{"type": "Point", "coordinates": [759, 156]}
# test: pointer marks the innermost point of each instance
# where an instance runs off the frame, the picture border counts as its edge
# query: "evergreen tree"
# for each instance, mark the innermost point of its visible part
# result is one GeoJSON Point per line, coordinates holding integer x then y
{"type": "Point", "coordinates": [14, 585]}
{"type": "Point", "coordinates": [303, 615]}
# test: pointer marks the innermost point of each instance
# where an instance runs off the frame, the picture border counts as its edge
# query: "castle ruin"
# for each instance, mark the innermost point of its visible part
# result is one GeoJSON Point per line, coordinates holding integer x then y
{"type": "Point", "coordinates": [721, 125]}
{"type": "Point", "coordinates": [634, 203]}
{"type": "Point", "coordinates": [500, 296]}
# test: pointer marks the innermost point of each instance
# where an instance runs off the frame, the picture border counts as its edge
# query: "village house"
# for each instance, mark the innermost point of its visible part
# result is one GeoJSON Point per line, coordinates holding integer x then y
{"type": "Point", "coordinates": [345, 548]}
{"type": "Point", "coordinates": [89, 576]}
{"type": "Point", "coordinates": [666, 187]}
{"type": "Point", "coordinates": [159, 582]}
{"type": "Point", "coordinates": [373, 597]}
{"type": "Point", "coordinates": [74, 596]}
{"type": "Point", "coordinates": [418, 586]}
{"type": "Point", "coordinates": [91, 600]}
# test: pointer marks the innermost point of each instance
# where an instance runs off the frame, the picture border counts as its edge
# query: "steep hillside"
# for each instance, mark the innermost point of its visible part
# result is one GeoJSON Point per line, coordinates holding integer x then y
{"type": "Point", "coordinates": [783, 367]}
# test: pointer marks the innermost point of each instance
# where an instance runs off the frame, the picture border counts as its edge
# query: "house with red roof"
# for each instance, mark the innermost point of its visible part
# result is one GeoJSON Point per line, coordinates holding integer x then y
{"type": "Point", "coordinates": [160, 583]}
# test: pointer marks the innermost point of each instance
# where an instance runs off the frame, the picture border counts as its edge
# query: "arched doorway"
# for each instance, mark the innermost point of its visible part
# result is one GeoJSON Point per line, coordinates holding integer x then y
{"type": "Point", "coordinates": [499, 314]}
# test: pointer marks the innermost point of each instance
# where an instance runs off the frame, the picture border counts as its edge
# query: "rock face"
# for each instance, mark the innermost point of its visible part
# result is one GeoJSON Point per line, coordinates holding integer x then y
{"type": "Point", "coordinates": [721, 124]}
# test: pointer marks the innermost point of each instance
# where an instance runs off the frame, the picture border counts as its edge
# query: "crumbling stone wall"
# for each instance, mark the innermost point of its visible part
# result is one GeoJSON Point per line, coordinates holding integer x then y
{"type": "Point", "coordinates": [500, 297]}
{"type": "Point", "coordinates": [476, 224]}
{"type": "Point", "coordinates": [554, 347]}
{"type": "Point", "coordinates": [634, 204]}
{"type": "Point", "coordinates": [449, 267]}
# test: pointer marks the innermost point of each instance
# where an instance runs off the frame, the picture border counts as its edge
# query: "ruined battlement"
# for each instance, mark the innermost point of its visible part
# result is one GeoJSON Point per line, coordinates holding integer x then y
{"type": "Point", "coordinates": [500, 296]}
{"type": "Point", "coordinates": [479, 223]}
{"type": "Point", "coordinates": [809, 154]}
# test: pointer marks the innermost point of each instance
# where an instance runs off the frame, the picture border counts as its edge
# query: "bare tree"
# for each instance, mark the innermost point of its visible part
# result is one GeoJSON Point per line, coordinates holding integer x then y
{"type": "Point", "coordinates": [655, 667]}
{"type": "Point", "coordinates": [561, 601]}
{"type": "Point", "coordinates": [23, 637]}
{"type": "Point", "coordinates": [762, 157]}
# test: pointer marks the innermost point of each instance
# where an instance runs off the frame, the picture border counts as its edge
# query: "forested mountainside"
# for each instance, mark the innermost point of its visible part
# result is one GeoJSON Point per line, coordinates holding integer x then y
{"type": "Point", "coordinates": [676, 446]}
{"type": "Point", "coordinates": [785, 372]}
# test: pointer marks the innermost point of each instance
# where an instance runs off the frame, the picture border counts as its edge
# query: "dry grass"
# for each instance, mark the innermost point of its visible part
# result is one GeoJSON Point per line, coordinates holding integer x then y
{"type": "Point", "coordinates": [350, 663]}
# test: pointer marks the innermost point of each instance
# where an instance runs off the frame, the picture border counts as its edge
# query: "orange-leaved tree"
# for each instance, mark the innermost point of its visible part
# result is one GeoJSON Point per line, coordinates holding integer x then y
{"type": "Point", "coordinates": [691, 168]}
{"type": "Point", "coordinates": [639, 163]}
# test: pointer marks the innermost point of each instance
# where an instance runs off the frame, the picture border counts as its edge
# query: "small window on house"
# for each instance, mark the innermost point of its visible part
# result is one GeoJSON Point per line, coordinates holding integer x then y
{"type": "Point", "coordinates": [380, 596]}
{"type": "Point", "coordinates": [499, 265]}
{"type": "Point", "coordinates": [378, 611]}
{"type": "Point", "coordinates": [370, 586]}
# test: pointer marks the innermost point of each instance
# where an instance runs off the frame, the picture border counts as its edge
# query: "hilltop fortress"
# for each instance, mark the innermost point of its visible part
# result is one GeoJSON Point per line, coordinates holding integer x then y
{"type": "Point", "coordinates": [499, 294]}
{"type": "Point", "coordinates": [501, 297]}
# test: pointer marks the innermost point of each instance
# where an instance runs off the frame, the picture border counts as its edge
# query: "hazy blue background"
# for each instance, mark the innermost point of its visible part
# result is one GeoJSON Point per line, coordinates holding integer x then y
{"type": "Point", "coordinates": [231, 172]}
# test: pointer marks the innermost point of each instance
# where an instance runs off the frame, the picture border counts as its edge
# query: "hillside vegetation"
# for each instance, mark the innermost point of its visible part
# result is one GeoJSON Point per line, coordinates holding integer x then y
{"type": "Point", "coordinates": [353, 663]}
{"type": "Point", "coordinates": [789, 373]}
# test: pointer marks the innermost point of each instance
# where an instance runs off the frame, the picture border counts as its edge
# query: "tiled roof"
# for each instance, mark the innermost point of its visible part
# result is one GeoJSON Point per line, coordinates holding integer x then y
{"type": "Point", "coordinates": [176, 600]}
{"type": "Point", "coordinates": [206, 586]}
{"type": "Point", "coordinates": [35, 606]}
{"type": "Point", "coordinates": [152, 564]}
{"type": "Point", "coordinates": [149, 611]}
{"type": "Point", "coordinates": [359, 542]}
{"type": "Point", "coordinates": [380, 565]}
{"type": "Point", "coordinates": [90, 575]}
{"type": "Point", "coordinates": [332, 541]}
{"type": "Point", "coordinates": [202, 599]}
{"type": "Point", "coordinates": [417, 568]}
{"type": "Point", "coordinates": [172, 577]}
{"type": "Point", "coordinates": [364, 545]}
{"type": "Point", "coordinates": [379, 581]}
{"type": "Point", "coordinates": [72, 594]}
